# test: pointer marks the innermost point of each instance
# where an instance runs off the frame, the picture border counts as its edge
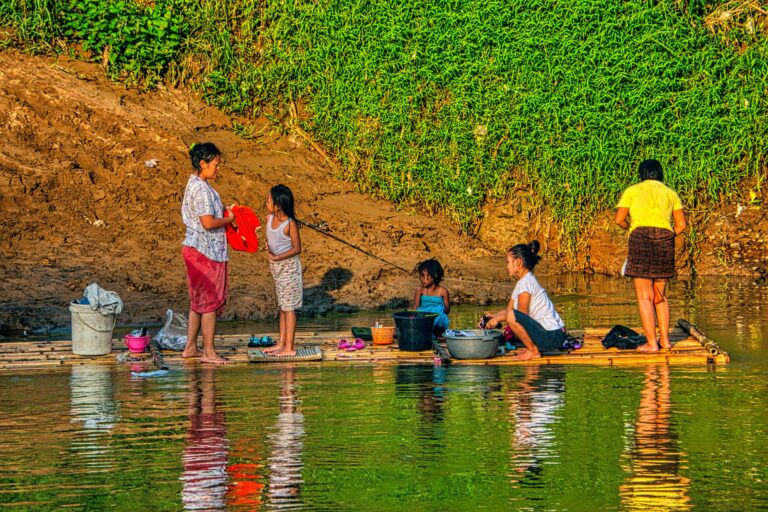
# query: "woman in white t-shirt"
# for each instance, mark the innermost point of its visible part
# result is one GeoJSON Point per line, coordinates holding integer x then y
{"type": "Point", "coordinates": [530, 313]}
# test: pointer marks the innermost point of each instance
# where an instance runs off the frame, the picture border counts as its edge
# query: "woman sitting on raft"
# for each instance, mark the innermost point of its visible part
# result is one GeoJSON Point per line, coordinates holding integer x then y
{"type": "Point", "coordinates": [530, 313]}
{"type": "Point", "coordinates": [430, 296]}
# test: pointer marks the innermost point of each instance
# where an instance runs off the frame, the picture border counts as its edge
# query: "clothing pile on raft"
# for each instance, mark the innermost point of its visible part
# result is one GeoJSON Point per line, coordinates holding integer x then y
{"type": "Point", "coordinates": [624, 338]}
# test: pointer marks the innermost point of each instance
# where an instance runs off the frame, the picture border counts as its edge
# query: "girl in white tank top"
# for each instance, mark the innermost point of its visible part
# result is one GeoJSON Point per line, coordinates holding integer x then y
{"type": "Point", "coordinates": [283, 249]}
{"type": "Point", "coordinates": [277, 241]}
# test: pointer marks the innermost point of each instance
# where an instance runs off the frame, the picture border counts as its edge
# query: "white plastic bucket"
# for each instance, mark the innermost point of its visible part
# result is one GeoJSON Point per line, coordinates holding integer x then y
{"type": "Point", "coordinates": [91, 331]}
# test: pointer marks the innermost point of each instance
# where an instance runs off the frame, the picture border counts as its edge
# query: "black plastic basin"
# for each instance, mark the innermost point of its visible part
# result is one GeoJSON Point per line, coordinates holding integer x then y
{"type": "Point", "coordinates": [414, 330]}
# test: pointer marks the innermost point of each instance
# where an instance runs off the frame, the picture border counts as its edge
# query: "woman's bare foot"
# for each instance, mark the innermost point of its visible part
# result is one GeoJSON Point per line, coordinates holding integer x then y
{"type": "Point", "coordinates": [191, 353]}
{"type": "Point", "coordinates": [216, 359]}
{"type": "Point", "coordinates": [647, 347]}
{"type": "Point", "coordinates": [525, 354]}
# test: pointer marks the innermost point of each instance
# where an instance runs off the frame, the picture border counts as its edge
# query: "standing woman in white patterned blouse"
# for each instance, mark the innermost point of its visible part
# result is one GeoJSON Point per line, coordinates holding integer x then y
{"type": "Point", "coordinates": [205, 251]}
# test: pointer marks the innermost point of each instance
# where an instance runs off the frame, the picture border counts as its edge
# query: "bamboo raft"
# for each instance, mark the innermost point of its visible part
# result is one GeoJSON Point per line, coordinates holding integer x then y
{"type": "Point", "coordinates": [689, 347]}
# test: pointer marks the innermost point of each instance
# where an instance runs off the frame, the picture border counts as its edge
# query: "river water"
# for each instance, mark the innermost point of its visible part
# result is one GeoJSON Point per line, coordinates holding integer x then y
{"type": "Point", "coordinates": [409, 437]}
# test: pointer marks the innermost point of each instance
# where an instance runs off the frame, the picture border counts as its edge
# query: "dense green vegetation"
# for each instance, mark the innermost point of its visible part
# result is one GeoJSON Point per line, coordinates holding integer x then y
{"type": "Point", "coordinates": [134, 39]}
{"type": "Point", "coordinates": [448, 104]}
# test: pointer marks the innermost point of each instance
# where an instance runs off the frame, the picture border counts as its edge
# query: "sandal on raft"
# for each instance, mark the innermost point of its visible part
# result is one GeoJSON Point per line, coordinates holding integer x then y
{"type": "Point", "coordinates": [351, 346]}
{"type": "Point", "coordinates": [264, 341]}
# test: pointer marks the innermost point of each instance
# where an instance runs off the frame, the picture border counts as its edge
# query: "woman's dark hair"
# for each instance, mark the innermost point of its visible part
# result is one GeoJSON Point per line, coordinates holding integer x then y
{"type": "Point", "coordinates": [203, 152]}
{"type": "Point", "coordinates": [528, 253]}
{"type": "Point", "coordinates": [432, 268]}
{"type": "Point", "coordinates": [282, 197]}
{"type": "Point", "coordinates": [650, 170]}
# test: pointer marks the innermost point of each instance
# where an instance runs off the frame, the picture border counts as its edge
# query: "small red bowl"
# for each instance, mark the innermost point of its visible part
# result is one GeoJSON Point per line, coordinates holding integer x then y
{"type": "Point", "coordinates": [136, 344]}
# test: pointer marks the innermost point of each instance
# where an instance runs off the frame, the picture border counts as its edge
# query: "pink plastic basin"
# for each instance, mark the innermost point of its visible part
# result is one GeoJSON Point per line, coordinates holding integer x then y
{"type": "Point", "coordinates": [136, 343]}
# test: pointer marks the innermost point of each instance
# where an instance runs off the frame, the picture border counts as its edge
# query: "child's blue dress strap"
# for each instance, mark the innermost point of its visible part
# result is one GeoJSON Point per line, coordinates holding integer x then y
{"type": "Point", "coordinates": [434, 304]}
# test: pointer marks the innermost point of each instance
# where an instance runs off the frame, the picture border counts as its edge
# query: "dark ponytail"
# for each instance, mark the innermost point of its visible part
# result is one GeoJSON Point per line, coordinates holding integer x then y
{"type": "Point", "coordinates": [528, 253]}
{"type": "Point", "coordinates": [203, 152]}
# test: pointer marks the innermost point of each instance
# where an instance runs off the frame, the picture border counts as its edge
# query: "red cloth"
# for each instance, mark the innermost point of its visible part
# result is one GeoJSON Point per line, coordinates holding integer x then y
{"type": "Point", "coordinates": [207, 281]}
{"type": "Point", "coordinates": [244, 237]}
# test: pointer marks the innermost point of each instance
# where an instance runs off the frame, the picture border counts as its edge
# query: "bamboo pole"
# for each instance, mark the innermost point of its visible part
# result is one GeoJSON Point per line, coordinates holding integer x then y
{"type": "Point", "coordinates": [709, 345]}
{"type": "Point", "coordinates": [157, 356]}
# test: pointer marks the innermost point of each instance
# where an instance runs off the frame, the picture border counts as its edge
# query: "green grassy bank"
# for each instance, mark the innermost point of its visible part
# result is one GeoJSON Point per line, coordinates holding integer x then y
{"type": "Point", "coordinates": [448, 104]}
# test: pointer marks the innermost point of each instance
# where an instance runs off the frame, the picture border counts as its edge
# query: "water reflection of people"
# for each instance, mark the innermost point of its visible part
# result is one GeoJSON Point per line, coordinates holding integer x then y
{"type": "Point", "coordinates": [432, 396]}
{"type": "Point", "coordinates": [285, 462]}
{"type": "Point", "coordinates": [92, 404]}
{"type": "Point", "coordinates": [654, 481]}
{"type": "Point", "coordinates": [429, 383]}
{"type": "Point", "coordinates": [246, 475]}
{"type": "Point", "coordinates": [206, 451]}
{"type": "Point", "coordinates": [535, 404]}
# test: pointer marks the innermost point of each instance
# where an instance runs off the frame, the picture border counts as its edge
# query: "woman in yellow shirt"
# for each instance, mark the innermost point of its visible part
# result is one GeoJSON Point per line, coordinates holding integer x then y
{"type": "Point", "coordinates": [655, 218]}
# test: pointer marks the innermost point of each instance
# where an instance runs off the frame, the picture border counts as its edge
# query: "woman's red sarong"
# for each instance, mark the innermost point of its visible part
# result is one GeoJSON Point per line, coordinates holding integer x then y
{"type": "Point", "coordinates": [207, 281]}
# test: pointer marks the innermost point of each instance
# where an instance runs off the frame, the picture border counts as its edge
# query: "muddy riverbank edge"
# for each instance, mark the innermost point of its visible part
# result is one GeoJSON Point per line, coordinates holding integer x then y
{"type": "Point", "coordinates": [83, 203]}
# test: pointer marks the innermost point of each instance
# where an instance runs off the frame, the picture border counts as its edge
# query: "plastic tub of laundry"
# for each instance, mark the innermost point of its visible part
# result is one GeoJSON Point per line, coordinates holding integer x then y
{"type": "Point", "coordinates": [473, 343]}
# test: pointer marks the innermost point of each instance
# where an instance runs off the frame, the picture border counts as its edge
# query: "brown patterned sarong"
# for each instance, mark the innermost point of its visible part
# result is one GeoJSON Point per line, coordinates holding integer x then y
{"type": "Point", "coordinates": [651, 253]}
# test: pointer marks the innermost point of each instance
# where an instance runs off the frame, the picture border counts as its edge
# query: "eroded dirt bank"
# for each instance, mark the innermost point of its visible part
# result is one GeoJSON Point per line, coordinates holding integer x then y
{"type": "Point", "coordinates": [79, 205]}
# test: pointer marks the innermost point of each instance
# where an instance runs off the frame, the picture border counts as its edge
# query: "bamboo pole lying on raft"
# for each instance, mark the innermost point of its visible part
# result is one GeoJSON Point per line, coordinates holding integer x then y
{"type": "Point", "coordinates": [441, 354]}
{"type": "Point", "coordinates": [157, 356]}
{"type": "Point", "coordinates": [709, 345]}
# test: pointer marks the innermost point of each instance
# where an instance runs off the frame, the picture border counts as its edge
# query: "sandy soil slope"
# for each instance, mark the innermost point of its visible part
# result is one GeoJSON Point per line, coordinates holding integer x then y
{"type": "Point", "coordinates": [80, 205]}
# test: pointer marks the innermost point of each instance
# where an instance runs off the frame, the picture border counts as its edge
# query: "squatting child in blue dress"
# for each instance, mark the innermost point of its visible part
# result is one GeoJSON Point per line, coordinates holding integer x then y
{"type": "Point", "coordinates": [430, 297]}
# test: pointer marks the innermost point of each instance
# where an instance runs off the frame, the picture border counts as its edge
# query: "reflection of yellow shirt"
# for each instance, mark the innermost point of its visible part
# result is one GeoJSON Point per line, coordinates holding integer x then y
{"type": "Point", "coordinates": [650, 204]}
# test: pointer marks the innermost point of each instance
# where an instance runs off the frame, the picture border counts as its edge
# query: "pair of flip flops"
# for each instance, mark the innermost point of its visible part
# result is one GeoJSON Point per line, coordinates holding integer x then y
{"type": "Point", "coordinates": [351, 346]}
{"type": "Point", "coordinates": [263, 341]}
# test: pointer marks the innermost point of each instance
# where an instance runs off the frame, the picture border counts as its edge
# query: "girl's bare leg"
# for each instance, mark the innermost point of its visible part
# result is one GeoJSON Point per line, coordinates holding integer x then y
{"type": "Point", "coordinates": [644, 293]}
{"type": "Point", "coordinates": [281, 340]}
{"type": "Point", "coordinates": [190, 350]}
{"type": "Point", "coordinates": [662, 311]}
{"type": "Point", "coordinates": [290, 333]}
